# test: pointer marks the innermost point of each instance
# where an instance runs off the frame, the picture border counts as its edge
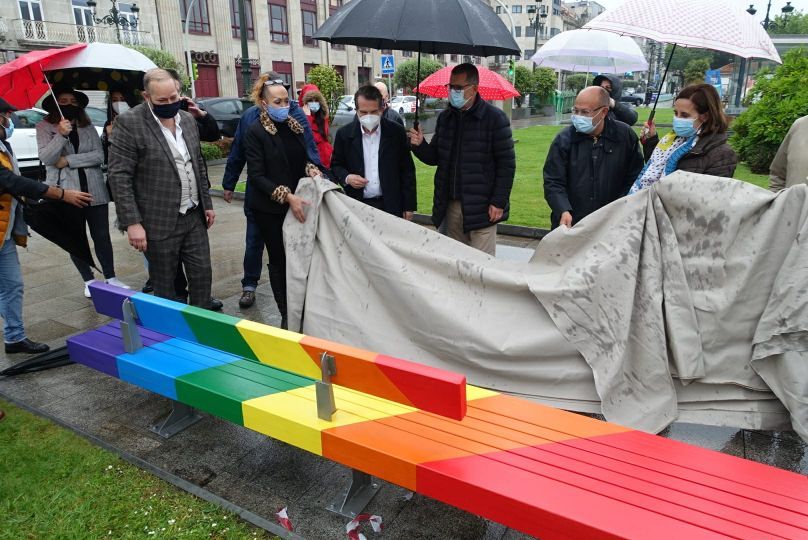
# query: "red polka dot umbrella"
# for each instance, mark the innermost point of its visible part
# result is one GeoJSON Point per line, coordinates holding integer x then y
{"type": "Point", "coordinates": [493, 86]}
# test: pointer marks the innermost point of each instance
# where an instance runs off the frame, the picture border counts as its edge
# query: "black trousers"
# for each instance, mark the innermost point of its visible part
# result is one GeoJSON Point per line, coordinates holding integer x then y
{"type": "Point", "coordinates": [271, 228]}
{"type": "Point", "coordinates": [187, 247]}
{"type": "Point", "coordinates": [97, 219]}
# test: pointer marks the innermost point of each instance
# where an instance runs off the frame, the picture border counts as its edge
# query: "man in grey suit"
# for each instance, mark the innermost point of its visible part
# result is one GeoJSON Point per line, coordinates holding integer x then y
{"type": "Point", "coordinates": [160, 186]}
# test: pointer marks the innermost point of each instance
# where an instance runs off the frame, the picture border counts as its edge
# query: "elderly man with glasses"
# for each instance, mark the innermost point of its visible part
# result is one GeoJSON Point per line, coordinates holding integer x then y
{"type": "Point", "coordinates": [591, 163]}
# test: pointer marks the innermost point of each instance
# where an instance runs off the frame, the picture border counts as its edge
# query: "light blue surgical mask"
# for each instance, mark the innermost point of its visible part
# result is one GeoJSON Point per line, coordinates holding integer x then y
{"type": "Point", "coordinates": [457, 98]}
{"type": "Point", "coordinates": [279, 114]}
{"type": "Point", "coordinates": [9, 129]}
{"type": "Point", "coordinates": [583, 124]}
{"type": "Point", "coordinates": [683, 127]}
{"type": "Point", "coordinates": [314, 106]}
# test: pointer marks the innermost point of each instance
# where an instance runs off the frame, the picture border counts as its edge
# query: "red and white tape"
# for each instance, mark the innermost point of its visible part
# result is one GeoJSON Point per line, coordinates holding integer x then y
{"type": "Point", "coordinates": [283, 519]}
{"type": "Point", "coordinates": [352, 528]}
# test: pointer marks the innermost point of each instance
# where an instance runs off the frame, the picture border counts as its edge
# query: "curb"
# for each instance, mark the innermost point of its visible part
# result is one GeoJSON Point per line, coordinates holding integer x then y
{"type": "Point", "coordinates": [423, 219]}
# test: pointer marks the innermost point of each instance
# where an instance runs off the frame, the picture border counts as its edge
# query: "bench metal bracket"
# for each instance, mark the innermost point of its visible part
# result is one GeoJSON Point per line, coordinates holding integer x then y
{"type": "Point", "coordinates": [326, 406]}
{"type": "Point", "coordinates": [181, 417]}
{"type": "Point", "coordinates": [351, 503]}
{"type": "Point", "coordinates": [131, 337]}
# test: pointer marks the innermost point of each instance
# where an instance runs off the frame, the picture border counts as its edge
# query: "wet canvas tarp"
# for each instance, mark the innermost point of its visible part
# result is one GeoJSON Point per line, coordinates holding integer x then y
{"type": "Point", "coordinates": [686, 301]}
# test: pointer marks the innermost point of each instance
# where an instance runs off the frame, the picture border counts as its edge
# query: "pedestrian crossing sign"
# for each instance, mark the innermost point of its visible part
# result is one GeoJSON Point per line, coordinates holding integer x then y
{"type": "Point", "coordinates": [388, 64]}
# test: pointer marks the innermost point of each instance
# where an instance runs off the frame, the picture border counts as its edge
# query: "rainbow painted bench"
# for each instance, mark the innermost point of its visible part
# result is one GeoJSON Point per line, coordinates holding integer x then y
{"type": "Point", "coordinates": [536, 469]}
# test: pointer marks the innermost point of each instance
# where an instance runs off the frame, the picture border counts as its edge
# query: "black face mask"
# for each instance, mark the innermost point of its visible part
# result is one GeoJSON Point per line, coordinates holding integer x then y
{"type": "Point", "coordinates": [168, 110]}
{"type": "Point", "coordinates": [70, 112]}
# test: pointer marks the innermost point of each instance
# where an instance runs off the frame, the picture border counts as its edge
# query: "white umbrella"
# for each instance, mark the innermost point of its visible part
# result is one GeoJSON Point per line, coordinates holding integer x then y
{"type": "Point", "coordinates": [721, 25]}
{"type": "Point", "coordinates": [592, 50]}
{"type": "Point", "coordinates": [104, 56]}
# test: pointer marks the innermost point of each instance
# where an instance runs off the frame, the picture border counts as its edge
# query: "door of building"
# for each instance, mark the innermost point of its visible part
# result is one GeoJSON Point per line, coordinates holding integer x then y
{"type": "Point", "coordinates": [207, 85]}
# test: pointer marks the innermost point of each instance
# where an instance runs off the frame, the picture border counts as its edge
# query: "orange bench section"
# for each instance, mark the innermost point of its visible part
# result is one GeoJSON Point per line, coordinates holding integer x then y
{"type": "Point", "coordinates": [408, 383]}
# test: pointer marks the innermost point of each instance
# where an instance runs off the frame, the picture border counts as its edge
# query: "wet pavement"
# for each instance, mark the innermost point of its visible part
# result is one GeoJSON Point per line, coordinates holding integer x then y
{"type": "Point", "coordinates": [250, 470]}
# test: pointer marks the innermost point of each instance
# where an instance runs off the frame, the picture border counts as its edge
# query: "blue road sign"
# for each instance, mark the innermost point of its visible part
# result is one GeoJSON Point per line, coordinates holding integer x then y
{"type": "Point", "coordinates": [388, 64]}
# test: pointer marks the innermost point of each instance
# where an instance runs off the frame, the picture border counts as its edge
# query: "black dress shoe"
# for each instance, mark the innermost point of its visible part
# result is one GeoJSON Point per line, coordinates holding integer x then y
{"type": "Point", "coordinates": [147, 287]}
{"type": "Point", "coordinates": [214, 305]}
{"type": "Point", "coordinates": [26, 346]}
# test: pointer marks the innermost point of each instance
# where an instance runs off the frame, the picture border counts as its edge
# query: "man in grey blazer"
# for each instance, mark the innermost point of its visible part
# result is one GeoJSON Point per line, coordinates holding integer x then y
{"type": "Point", "coordinates": [160, 186]}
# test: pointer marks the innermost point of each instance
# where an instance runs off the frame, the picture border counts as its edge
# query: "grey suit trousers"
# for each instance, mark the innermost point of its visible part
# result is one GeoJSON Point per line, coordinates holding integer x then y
{"type": "Point", "coordinates": [187, 245]}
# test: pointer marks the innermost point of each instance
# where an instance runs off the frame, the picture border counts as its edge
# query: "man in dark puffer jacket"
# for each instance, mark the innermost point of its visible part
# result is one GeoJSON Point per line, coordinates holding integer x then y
{"type": "Point", "coordinates": [473, 149]}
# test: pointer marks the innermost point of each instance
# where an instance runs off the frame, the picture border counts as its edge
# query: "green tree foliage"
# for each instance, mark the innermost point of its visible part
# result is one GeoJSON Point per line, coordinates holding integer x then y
{"type": "Point", "coordinates": [544, 82]}
{"type": "Point", "coordinates": [330, 84]}
{"type": "Point", "coordinates": [694, 71]}
{"type": "Point", "coordinates": [406, 72]}
{"type": "Point", "coordinates": [776, 101]}
{"type": "Point", "coordinates": [165, 60]}
{"type": "Point", "coordinates": [523, 82]}
{"type": "Point", "coordinates": [684, 55]}
{"type": "Point", "coordinates": [576, 82]}
{"type": "Point", "coordinates": [796, 23]}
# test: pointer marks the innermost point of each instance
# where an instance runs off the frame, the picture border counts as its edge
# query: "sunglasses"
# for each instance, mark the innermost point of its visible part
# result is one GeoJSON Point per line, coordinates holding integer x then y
{"type": "Point", "coordinates": [275, 82]}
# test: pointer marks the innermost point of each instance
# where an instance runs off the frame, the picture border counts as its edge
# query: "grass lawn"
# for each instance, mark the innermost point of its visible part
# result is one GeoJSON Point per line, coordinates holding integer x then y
{"type": "Point", "coordinates": [55, 484]}
{"type": "Point", "coordinates": [528, 206]}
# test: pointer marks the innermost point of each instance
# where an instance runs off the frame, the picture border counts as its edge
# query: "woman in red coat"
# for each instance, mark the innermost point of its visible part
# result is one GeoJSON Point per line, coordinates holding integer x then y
{"type": "Point", "coordinates": [316, 109]}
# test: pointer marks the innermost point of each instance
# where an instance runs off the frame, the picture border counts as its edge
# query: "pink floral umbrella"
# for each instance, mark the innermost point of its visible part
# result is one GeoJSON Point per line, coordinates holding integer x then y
{"type": "Point", "coordinates": [721, 25]}
{"type": "Point", "coordinates": [493, 86]}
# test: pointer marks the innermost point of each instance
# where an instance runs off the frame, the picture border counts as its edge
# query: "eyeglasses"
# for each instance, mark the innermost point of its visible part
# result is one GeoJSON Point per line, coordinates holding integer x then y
{"type": "Point", "coordinates": [585, 112]}
{"type": "Point", "coordinates": [458, 87]}
{"type": "Point", "coordinates": [275, 82]}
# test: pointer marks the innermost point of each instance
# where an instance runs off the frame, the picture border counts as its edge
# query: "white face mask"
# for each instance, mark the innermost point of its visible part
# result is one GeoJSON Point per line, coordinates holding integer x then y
{"type": "Point", "coordinates": [120, 107]}
{"type": "Point", "coordinates": [370, 121]}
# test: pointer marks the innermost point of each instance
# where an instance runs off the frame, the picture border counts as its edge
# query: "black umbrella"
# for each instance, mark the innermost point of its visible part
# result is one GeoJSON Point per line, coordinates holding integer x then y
{"type": "Point", "coordinates": [430, 26]}
{"type": "Point", "coordinates": [62, 224]}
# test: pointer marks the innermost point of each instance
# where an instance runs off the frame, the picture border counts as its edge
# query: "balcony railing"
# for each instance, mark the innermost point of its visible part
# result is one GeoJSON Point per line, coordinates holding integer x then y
{"type": "Point", "coordinates": [63, 33]}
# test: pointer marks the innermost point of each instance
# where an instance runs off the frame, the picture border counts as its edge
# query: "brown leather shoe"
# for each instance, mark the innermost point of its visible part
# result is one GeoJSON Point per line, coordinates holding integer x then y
{"type": "Point", "coordinates": [247, 299]}
{"type": "Point", "coordinates": [2, 414]}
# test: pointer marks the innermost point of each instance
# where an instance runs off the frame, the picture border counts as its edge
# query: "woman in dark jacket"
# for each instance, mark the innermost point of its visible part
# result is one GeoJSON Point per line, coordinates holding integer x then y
{"type": "Point", "coordinates": [698, 142]}
{"type": "Point", "coordinates": [276, 160]}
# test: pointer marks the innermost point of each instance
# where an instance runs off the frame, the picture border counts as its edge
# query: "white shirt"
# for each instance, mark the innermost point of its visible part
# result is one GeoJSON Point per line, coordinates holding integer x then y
{"type": "Point", "coordinates": [182, 159]}
{"type": "Point", "coordinates": [370, 151]}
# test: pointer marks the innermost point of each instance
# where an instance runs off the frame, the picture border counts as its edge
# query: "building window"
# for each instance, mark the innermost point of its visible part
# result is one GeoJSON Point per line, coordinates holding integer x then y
{"type": "Point", "coordinates": [498, 10]}
{"type": "Point", "coordinates": [309, 26]}
{"type": "Point", "coordinates": [530, 31]}
{"type": "Point", "coordinates": [199, 22]}
{"type": "Point", "coordinates": [453, 58]}
{"type": "Point", "coordinates": [31, 10]}
{"type": "Point", "coordinates": [82, 14]}
{"type": "Point", "coordinates": [278, 25]}
{"type": "Point", "coordinates": [556, 11]}
{"type": "Point", "coordinates": [255, 72]}
{"type": "Point", "coordinates": [363, 75]}
{"type": "Point", "coordinates": [307, 68]}
{"type": "Point", "coordinates": [406, 54]}
{"type": "Point", "coordinates": [554, 31]}
{"type": "Point", "coordinates": [235, 19]}
{"type": "Point", "coordinates": [516, 9]}
{"type": "Point", "coordinates": [528, 54]}
{"type": "Point", "coordinates": [284, 69]}
{"type": "Point", "coordinates": [341, 72]}
{"type": "Point", "coordinates": [518, 31]}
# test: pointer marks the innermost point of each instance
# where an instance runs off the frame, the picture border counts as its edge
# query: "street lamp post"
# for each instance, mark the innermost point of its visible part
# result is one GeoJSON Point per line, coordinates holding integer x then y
{"type": "Point", "coordinates": [538, 14]}
{"type": "Point", "coordinates": [245, 51]}
{"type": "Point", "coordinates": [767, 23]}
{"type": "Point", "coordinates": [115, 17]}
{"type": "Point", "coordinates": [188, 11]}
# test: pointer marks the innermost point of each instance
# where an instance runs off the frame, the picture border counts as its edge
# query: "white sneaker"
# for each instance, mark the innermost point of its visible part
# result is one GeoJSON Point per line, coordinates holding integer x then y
{"type": "Point", "coordinates": [87, 288]}
{"type": "Point", "coordinates": [118, 283]}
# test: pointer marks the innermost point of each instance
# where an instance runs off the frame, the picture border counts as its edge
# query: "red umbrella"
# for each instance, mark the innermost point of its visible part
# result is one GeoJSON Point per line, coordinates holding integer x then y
{"type": "Point", "coordinates": [22, 81]}
{"type": "Point", "coordinates": [493, 86]}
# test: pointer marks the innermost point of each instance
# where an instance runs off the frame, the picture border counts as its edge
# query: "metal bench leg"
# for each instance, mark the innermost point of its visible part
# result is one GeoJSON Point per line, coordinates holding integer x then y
{"type": "Point", "coordinates": [359, 493]}
{"type": "Point", "coordinates": [181, 417]}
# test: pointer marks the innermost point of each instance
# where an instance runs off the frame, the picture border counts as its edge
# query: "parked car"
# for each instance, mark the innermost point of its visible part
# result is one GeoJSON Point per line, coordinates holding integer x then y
{"type": "Point", "coordinates": [343, 116]}
{"type": "Point", "coordinates": [634, 99]}
{"type": "Point", "coordinates": [23, 140]}
{"type": "Point", "coordinates": [97, 116]}
{"type": "Point", "coordinates": [226, 111]}
{"type": "Point", "coordinates": [403, 104]}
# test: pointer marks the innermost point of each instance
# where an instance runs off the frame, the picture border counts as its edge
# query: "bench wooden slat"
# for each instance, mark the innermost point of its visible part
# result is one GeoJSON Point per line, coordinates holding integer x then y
{"type": "Point", "coordinates": [408, 383]}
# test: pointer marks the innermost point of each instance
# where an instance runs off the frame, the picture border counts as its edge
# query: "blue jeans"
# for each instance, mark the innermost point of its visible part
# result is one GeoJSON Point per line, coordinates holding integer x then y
{"type": "Point", "coordinates": [11, 287]}
{"type": "Point", "coordinates": [253, 252]}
